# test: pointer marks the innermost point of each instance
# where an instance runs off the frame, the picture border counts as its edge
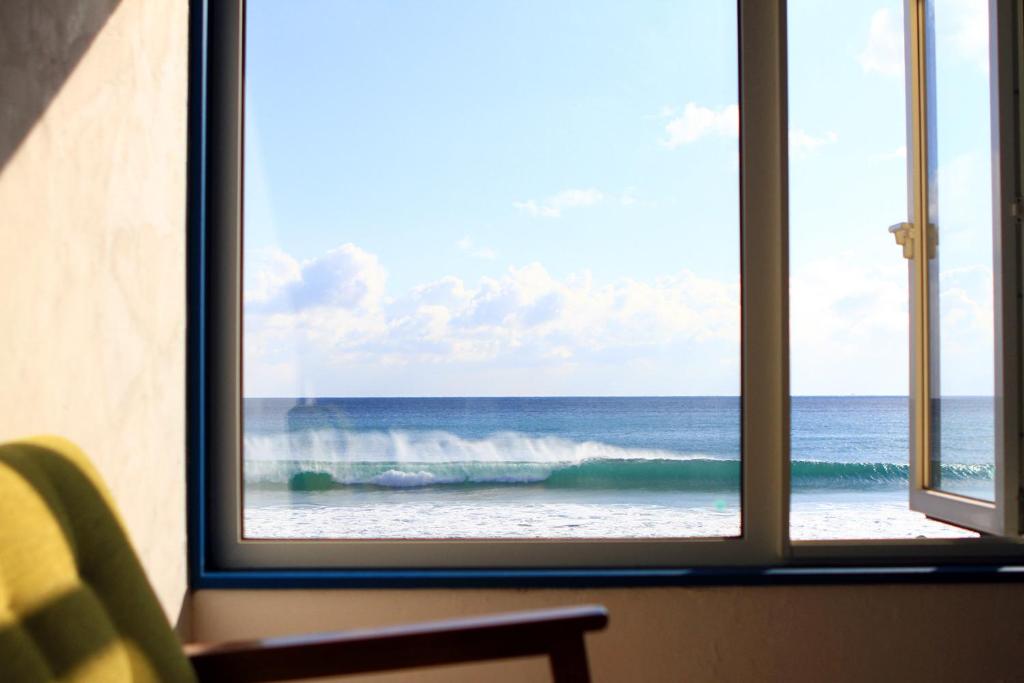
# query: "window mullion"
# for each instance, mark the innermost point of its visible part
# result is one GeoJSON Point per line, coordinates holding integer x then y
{"type": "Point", "coordinates": [764, 186]}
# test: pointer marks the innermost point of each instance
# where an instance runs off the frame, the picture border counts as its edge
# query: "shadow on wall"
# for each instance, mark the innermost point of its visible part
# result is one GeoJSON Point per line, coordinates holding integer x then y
{"type": "Point", "coordinates": [41, 42]}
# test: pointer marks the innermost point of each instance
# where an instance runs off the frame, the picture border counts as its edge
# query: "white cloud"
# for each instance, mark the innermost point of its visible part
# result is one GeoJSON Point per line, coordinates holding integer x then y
{"type": "Point", "coordinates": [466, 246]}
{"type": "Point", "coordinates": [501, 327]}
{"type": "Point", "coordinates": [848, 327]}
{"type": "Point", "coordinates": [967, 328]}
{"type": "Point", "coordinates": [528, 332]}
{"type": "Point", "coordinates": [801, 142]}
{"type": "Point", "coordinates": [553, 206]}
{"type": "Point", "coordinates": [697, 122]}
{"type": "Point", "coordinates": [345, 277]}
{"type": "Point", "coordinates": [267, 272]}
{"type": "Point", "coordinates": [884, 51]}
{"type": "Point", "coordinates": [529, 310]}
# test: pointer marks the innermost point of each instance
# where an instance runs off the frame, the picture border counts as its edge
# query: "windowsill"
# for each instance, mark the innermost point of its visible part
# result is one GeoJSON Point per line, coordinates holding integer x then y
{"type": "Point", "coordinates": [611, 578]}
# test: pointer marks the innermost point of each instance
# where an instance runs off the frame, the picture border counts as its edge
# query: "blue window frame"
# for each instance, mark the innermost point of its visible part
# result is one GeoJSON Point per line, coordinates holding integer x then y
{"type": "Point", "coordinates": [763, 554]}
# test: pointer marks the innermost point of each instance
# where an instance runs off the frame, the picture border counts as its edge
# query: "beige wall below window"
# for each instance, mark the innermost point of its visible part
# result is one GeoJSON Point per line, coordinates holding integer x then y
{"type": "Point", "coordinates": [793, 634]}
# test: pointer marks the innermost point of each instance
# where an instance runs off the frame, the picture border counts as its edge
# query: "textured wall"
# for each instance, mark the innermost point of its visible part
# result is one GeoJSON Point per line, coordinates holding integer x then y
{"type": "Point", "coordinates": [806, 633]}
{"type": "Point", "coordinates": [92, 250]}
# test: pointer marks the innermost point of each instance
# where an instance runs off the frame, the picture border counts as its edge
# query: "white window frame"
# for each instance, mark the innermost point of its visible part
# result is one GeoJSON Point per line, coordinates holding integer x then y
{"type": "Point", "coordinates": [765, 427]}
{"type": "Point", "coordinates": [1001, 516]}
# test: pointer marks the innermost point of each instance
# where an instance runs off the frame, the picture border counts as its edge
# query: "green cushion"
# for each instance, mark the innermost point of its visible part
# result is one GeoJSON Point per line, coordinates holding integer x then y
{"type": "Point", "coordinates": [75, 604]}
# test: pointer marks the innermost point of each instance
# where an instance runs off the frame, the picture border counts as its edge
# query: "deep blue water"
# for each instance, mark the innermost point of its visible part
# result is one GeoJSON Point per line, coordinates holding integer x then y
{"type": "Point", "coordinates": [685, 425]}
{"type": "Point", "coordinates": [676, 443]}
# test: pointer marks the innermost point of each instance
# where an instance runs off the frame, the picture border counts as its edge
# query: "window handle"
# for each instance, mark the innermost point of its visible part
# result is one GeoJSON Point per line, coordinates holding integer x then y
{"type": "Point", "coordinates": [903, 232]}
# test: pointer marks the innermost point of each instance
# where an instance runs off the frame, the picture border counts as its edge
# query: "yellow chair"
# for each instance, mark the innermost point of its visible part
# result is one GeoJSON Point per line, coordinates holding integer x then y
{"type": "Point", "coordinates": [75, 604]}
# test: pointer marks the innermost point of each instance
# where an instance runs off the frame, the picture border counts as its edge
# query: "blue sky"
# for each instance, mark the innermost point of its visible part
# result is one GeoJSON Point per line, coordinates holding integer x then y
{"type": "Point", "coordinates": [527, 198]}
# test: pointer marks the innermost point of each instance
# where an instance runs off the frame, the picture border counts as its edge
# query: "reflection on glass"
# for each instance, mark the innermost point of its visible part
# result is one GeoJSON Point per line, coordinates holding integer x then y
{"type": "Point", "coordinates": [491, 270]}
{"type": "Point", "coordinates": [962, 448]}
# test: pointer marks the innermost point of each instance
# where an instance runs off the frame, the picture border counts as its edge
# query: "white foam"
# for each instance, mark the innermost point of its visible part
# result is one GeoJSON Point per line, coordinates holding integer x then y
{"type": "Point", "coordinates": [402, 446]}
{"type": "Point", "coordinates": [397, 479]}
{"type": "Point", "coordinates": [500, 515]}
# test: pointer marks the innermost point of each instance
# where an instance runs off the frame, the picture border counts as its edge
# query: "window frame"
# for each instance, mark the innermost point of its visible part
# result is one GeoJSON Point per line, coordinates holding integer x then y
{"type": "Point", "coordinates": [1001, 515]}
{"type": "Point", "coordinates": [763, 553]}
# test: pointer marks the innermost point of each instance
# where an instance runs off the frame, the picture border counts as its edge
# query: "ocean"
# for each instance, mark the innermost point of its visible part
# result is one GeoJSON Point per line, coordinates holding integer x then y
{"type": "Point", "coordinates": [585, 467]}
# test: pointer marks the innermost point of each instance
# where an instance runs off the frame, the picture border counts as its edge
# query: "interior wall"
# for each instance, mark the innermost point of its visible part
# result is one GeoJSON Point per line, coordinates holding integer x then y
{"type": "Point", "coordinates": [93, 97]}
{"type": "Point", "coordinates": [796, 633]}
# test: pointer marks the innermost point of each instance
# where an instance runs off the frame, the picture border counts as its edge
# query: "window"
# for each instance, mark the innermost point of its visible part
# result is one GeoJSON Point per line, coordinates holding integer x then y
{"type": "Point", "coordinates": [485, 291]}
{"type": "Point", "coordinates": [500, 297]}
{"type": "Point", "coordinates": [963, 248]}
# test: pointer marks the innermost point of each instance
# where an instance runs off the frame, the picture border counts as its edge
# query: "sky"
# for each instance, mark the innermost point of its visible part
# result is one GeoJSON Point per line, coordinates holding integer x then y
{"type": "Point", "coordinates": [536, 198]}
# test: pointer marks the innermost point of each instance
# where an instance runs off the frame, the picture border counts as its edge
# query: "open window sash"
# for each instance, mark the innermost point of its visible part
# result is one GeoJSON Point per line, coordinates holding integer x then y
{"type": "Point", "coordinates": [938, 468]}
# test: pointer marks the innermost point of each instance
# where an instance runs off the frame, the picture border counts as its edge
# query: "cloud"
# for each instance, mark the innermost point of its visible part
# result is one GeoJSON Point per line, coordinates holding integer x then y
{"type": "Point", "coordinates": [884, 51]}
{"type": "Point", "coordinates": [967, 330]}
{"type": "Point", "coordinates": [267, 273]}
{"type": "Point", "coordinates": [527, 307]}
{"type": "Point", "coordinates": [698, 122]}
{"type": "Point", "coordinates": [466, 246]}
{"type": "Point", "coordinates": [526, 331]}
{"type": "Point", "coordinates": [345, 277]}
{"type": "Point", "coordinates": [802, 143]}
{"type": "Point", "coordinates": [849, 323]}
{"type": "Point", "coordinates": [848, 326]}
{"type": "Point", "coordinates": [553, 206]}
{"type": "Point", "coordinates": [501, 327]}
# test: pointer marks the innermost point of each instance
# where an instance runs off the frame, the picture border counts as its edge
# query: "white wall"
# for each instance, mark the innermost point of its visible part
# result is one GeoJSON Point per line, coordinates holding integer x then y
{"type": "Point", "coordinates": [92, 250]}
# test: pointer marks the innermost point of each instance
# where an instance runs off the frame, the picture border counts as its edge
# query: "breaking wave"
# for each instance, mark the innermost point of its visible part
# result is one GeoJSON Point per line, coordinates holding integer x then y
{"type": "Point", "coordinates": [408, 460]}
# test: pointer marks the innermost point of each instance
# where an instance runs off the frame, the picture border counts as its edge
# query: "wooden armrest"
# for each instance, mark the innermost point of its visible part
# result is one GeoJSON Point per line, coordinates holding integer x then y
{"type": "Point", "coordinates": [557, 633]}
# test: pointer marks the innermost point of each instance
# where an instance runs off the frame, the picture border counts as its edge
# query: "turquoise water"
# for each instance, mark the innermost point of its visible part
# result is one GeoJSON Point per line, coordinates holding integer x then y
{"type": "Point", "coordinates": [513, 467]}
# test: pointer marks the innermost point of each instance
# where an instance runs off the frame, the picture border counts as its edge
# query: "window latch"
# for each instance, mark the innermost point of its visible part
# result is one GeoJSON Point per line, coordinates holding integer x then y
{"type": "Point", "coordinates": [903, 232]}
{"type": "Point", "coordinates": [1017, 208]}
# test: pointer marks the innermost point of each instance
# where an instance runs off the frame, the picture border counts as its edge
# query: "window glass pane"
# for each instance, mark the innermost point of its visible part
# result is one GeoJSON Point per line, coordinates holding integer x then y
{"type": "Point", "coordinates": [491, 270]}
{"type": "Point", "coordinates": [849, 320]}
{"type": "Point", "coordinates": [962, 457]}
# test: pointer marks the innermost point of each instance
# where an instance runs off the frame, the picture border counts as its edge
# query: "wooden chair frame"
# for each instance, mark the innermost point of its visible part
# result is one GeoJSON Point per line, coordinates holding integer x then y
{"type": "Point", "coordinates": [555, 633]}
